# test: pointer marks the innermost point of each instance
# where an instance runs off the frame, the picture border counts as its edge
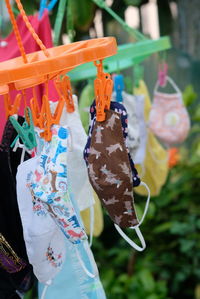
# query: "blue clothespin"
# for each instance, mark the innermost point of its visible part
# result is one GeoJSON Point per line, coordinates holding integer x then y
{"type": "Point", "coordinates": [44, 5]}
{"type": "Point", "coordinates": [119, 87]}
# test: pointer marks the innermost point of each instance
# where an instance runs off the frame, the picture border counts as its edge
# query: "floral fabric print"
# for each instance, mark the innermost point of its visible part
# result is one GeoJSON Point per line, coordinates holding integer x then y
{"type": "Point", "coordinates": [54, 259]}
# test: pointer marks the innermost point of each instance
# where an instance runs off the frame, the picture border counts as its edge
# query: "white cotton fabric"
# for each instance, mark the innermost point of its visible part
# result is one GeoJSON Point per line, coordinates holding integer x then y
{"type": "Point", "coordinates": [44, 241]}
{"type": "Point", "coordinates": [141, 151]}
{"type": "Point", "coordinates": [76, 167]}
{"type": "Point", "coordinates": [133, 138]}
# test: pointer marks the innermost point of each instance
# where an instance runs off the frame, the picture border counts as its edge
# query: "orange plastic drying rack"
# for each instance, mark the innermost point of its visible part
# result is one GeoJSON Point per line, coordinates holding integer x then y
{"type": "Point", "coordinates": [15, 74]}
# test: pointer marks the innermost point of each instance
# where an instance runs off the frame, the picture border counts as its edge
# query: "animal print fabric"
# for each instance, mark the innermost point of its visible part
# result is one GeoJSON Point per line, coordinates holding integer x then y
{"type": "Point", "coordinates": [110, 172]}
{"type": "Point", "coordinates": [119, 108]}
{"type": "Point", "coordinates": [50, 185]}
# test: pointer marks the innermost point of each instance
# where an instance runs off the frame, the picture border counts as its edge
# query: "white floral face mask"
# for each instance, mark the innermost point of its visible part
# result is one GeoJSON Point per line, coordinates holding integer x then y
{"type": "Point", "coordinates": [44, 240]}
{"type": "Point", "coordinates": [50, 186]}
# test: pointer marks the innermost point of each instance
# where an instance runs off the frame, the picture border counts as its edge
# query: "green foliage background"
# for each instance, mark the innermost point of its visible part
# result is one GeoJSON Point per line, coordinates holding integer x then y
{"type": "Point", "coordinates": [170, 266]}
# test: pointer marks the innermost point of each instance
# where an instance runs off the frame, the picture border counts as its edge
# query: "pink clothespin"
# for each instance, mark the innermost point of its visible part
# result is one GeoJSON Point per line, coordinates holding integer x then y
{"type": "Point", "coordinates": [162, 74]}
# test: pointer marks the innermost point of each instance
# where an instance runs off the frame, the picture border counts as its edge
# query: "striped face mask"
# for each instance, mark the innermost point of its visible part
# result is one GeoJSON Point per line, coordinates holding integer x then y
{"type": "Point", "coordinates": [111, 175]}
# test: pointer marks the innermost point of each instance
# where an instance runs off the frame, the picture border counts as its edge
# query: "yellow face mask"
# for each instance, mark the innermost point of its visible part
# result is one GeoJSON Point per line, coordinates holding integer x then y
{"type": "Point", "coordinates": [154, 171]}
{"type": "Point", "coordinates": [98, 218]}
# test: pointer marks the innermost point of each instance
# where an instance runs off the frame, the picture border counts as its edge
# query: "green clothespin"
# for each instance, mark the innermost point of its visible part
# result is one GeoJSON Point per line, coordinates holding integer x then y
{"type": "Point", "coordinates": [138, 73]}
{"type": "Point", "coordinates": [25, 132]}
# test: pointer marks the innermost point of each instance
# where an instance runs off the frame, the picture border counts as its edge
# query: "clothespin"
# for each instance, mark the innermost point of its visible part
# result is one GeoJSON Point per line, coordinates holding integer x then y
{"type": "Point", "coordinates": [11, 109]}
{"type": "Point", "coordinates": [43, 117]}
{"type": "Point", "coordinates": [25, 132]}
{"type": "Point", "coordinates": [103, 86]}
{"type": "Point", "coordinates": [119, 87]}
{"type": "Point", "coordinates": [162, 74]}
{"type": "Point", "coordinates": [65, 90]}
{"type": "Point", "coordinates": [44, 5]}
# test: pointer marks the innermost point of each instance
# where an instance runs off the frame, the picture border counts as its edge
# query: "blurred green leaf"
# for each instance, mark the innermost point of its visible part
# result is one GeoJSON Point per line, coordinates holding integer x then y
{"type": "Point", "coordinates": [189, 95]}
{"type": "Point", "coordinates": [147, 280]}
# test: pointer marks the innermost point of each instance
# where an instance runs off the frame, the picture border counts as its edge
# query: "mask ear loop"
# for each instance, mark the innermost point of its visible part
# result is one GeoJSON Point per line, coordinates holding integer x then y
{"type": "Point", "coordinates": [83, 264]}
{"type": "Point", "coordinates": [136, 228]}
{"type": "Point", "coordinates": [48, 283]}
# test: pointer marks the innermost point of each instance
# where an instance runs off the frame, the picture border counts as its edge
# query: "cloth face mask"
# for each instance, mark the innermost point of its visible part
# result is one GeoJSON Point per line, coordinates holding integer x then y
{"type": "Point", "coordinates": [109, 170]}
{"type": "Point", "coordinates": [141, 151]}
{"type": "Point", "coordinates": [111, 176]}
{"type": "Point", "coordinates": [77, 170]}
{"type": "Point", "coordinates": [44, 241]}
{"type": "Point", "coordinates": [72, 281]}
{"type": "Point", "coordinates": [50, 185]}
{"type": "Point", "coordinates": [155, 167]}
{"type": "Point", "coordinates": [168, 118]}
{"type": "Point", "coordinates": [133, 138]}
{"type": "Point", "coordinates": [119, 108]}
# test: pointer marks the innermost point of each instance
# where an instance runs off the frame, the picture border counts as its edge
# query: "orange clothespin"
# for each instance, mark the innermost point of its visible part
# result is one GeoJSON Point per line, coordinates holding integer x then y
{"type": "Point", "coordinates": [64, 89]}
{"type": "Point", "coordinates": [37, 112]}
{"type": "Point", "coordinates": [103, 86]}
{"type": "Point", "coordinates": [43, 118]}
{"type": "Point", "coordinates": [11, 109]}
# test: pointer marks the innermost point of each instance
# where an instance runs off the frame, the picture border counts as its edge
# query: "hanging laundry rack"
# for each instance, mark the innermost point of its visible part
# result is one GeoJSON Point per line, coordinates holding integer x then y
{"type": "Point", "coordinates": [35, 68]}
{"type": "Point", "coordinates": [128, 54]}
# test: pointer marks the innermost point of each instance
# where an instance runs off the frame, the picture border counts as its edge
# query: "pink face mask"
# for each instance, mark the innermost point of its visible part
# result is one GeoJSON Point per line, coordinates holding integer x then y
{"type": "Point", "coordinates": [169, 119]}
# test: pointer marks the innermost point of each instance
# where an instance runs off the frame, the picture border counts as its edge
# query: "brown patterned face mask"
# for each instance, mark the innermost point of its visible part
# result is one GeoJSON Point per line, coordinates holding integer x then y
{"type": "Point", "coordinates": [110, 172]}
{"type": "Point", "coordinates": [111, 177]}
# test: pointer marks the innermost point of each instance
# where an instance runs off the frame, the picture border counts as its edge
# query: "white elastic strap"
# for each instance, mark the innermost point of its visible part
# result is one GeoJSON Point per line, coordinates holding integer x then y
{"type": "Point", "coordinates": [173, 84]}
{"type": "Point", "coordinates": [147, 202]}
{"type": "Point", "coordinates": [129, 241]}
{"type": "Point", "coordinates": [83, 265]}
{"type": "Point", "coordinates": [44, 291]}
{"type": "Point", "coordinates": [136, 228]}
{"type": "Point", "coordinates": [91, 224]}
{"type": "Point", "coordinates": [24, 150]}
